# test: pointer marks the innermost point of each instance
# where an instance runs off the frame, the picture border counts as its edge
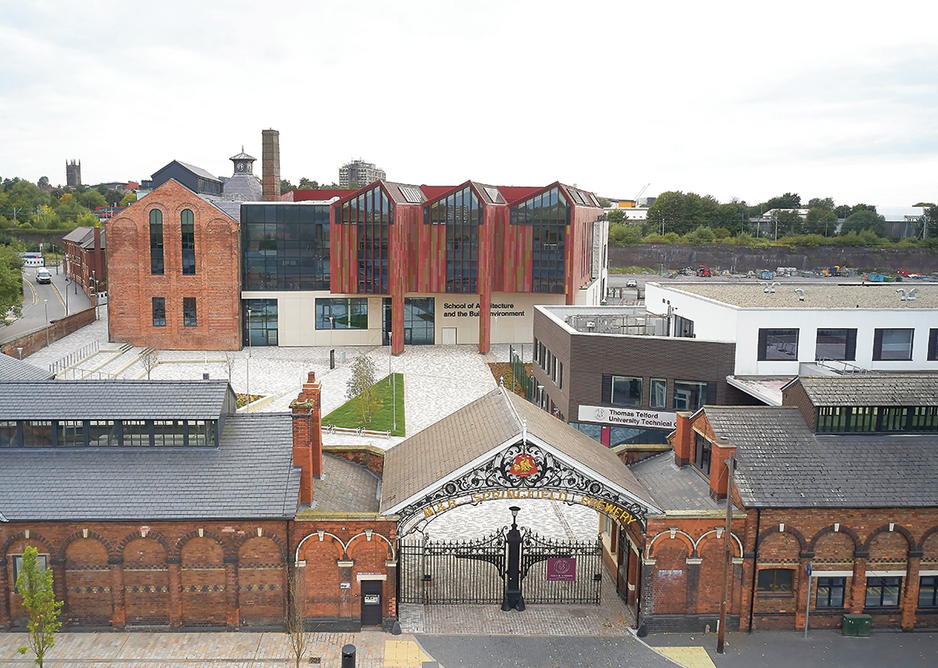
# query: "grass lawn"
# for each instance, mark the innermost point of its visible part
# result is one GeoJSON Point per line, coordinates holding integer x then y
{"type": "Point", "coordinates": [347, 414]}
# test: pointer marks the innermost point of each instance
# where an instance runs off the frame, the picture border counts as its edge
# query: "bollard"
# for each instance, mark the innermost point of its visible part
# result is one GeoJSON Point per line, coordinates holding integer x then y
{"type": "Point", "coordinates": [348, 656]}
{"type": "Point", "coordinates": [332, 358]}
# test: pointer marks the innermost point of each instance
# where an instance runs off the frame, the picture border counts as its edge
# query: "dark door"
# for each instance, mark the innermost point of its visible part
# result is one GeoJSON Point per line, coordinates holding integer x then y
{"type": "Point", "coordinates": [371, 602]}
{"type": "Point", "coordinates": [622, 574]}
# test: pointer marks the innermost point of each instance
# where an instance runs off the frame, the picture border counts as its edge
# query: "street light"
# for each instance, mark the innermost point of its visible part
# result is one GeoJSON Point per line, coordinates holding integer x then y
{"type": "Point", "coordinates": [45, 303]}
{"type": "Point", "coordinates": [248, 400]}
{"type": "Point", "coordinates": [331, 348]}
{"type": "Point", "coordinates": [94, 293]}
{"type": "Point", "coordinates": [513, 597]}
{"type": "Point", "coordinates": [393, 382]}
{"type": "Point", "coordinates": [66, 296]}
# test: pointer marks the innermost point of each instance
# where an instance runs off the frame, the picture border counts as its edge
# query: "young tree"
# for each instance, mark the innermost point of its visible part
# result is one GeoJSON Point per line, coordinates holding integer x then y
{"type": "Point", "coordinates": [150, 360]}
{"type": "Point", "coordinates": [35, 586]}
{"type": "Point", "coordinates": [360, 386]}
{"type": "Point", "coordinates": [11, 283]}
{"type": "Point", "coordinates": [296, 620]}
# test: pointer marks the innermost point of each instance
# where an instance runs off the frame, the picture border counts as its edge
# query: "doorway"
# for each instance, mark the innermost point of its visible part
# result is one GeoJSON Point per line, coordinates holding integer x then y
{"type": "Point", "coordinates": [371, 602]}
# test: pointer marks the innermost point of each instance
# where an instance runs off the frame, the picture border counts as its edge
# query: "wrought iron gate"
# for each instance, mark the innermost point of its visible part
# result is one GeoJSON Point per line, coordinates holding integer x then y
{"type": "Point", "coordinates": [473, 571]}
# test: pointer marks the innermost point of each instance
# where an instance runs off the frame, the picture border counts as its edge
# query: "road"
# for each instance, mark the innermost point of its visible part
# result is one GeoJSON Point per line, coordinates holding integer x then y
{"type": "Point", "coordinates": [38, 298]}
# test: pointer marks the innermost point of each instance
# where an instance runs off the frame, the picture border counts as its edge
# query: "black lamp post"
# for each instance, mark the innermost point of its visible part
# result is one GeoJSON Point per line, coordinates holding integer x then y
{"type": "Point", "coordinates": [513, 597]}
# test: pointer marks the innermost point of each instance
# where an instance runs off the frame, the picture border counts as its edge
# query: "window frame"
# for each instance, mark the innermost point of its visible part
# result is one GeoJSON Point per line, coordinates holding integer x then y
{"type": "Point", "coordinates": [850, 343]}
{"type": "Point", "coordinates": [703, 392]}
{"type": "Point", "coordinates": [157, 251]}
{"type": "Point", "coordinates": [933, 586]}
{"type": "Point", "coordinates": [653, 385]}
{"type": "Point", "coordinates": [775, 589]}
{"type": "Point", "coordinates": [158, 306]}
{"type": "Point", "coordinates": [882, 584]}
{"type": "Point", "coordinates": [41, 559]}
{"type": "Point", "coordinates": [778, 335]}
{"type": "Point", "coordinates": [833, 585]}
{"type": "Point", "coordinates": [880, 333]}
{"type": "Point", "coordinates": [630, 381]}
{"type": "Point", "coordinates": [190, 315]}
{"type": "Point", "coordinates": [932, 345]}
{"type": "Point", "coordinates": [187, 241]}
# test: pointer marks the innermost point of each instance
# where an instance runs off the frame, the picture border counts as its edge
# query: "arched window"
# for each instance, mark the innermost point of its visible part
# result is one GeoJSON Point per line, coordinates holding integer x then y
{"type": "Point", "coordinates": [188, 241]}
{"type": "Point", "coordinates": [156, 241]}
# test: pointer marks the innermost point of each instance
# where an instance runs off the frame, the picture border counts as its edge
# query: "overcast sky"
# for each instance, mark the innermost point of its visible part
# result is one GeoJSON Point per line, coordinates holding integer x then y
{"type": "Point", "coordinates": [733, 99]}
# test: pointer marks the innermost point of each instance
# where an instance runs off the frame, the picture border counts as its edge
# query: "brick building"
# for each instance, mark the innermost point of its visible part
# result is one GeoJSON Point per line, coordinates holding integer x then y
{"type": "Point", "coordinates": [841, 477]}
{"type": "Point", "coordinates": [174, 268]}
{"type": "Point", "coordinates": [85, 258]}
{"type": "Point", "coordinates": [156, 505]}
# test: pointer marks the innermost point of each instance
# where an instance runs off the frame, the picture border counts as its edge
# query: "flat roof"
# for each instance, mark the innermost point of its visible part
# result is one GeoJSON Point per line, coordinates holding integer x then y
{"type": "Point", "coordinates": [819, 295]}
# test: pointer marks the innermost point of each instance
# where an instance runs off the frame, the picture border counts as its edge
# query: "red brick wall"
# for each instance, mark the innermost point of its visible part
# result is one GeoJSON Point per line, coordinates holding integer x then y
{"type": "Point", "coordinates": [796, 396]}
{"type": "Point", "coordinates": [162, 574]}
{"type": "Point", "coordinates": [327, 565]}
{"type": "Point", "coordinates": [215, 284]}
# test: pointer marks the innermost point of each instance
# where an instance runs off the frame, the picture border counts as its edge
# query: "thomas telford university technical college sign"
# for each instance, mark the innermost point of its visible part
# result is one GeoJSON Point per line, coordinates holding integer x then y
{"type": "Point", "coordinates": [628, 417]}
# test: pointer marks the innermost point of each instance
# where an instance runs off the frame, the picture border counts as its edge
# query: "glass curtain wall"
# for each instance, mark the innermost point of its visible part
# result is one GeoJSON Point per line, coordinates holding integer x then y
{"type": "Point", "coordinates": [286, 246]}
{"type": "Point", "coordinates": [461, 213]}
{"type": "Point", "coordinates": [261, 324]}
{"type": "Point", "coordinates": [419, 321]}
{"type": "Point", "coordinates": [549, 214]}
{"type": "Point", "coordinates": [373, 213]}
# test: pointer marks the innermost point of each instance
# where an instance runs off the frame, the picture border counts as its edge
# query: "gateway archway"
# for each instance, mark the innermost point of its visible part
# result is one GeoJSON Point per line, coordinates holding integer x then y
{"type": "Point", "coordinates": [501, 448]}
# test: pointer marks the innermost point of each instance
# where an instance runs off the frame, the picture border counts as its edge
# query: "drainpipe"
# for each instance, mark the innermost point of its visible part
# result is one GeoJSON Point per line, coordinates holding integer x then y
{"type": "Point", "coordinates": [755, 560]}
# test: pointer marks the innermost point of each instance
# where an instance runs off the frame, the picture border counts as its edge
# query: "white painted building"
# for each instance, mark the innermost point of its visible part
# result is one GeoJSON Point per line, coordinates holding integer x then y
{"type": "Point", "coordinates": [787, 329]}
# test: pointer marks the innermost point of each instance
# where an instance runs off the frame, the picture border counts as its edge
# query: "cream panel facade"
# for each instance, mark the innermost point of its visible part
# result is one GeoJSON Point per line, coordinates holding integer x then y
{"type": "Point", "coordinates": [512, 317]}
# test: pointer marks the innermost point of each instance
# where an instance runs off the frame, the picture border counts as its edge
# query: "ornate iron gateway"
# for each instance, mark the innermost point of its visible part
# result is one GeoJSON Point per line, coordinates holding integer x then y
{"type": "Point", "coordinates": [473, 571]}
{"type": "Point", "coordinates": [522, 470]}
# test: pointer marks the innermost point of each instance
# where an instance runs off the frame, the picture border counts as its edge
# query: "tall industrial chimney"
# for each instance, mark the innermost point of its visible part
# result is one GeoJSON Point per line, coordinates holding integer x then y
{"type": "Point", "coordinates": [270, 163]}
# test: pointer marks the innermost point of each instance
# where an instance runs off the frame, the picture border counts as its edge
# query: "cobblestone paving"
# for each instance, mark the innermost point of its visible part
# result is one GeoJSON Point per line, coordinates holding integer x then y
{"type": "Point", "coordinates": [608, 619]}
{"type": "Point", "coordinates": [201, 650]}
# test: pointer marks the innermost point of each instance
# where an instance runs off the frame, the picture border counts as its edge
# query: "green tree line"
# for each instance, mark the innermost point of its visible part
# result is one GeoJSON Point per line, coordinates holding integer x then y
{"type": "Point", "coordinates": [690, 218]}
{"type": "Point", "coordinates": [35, 207]}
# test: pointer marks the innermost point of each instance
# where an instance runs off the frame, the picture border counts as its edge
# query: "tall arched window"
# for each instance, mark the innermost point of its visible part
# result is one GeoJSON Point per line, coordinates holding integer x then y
{"type": "Point", "coordinates": [156, 241]}
{"type": "Point", "coordinates": [188, 241]}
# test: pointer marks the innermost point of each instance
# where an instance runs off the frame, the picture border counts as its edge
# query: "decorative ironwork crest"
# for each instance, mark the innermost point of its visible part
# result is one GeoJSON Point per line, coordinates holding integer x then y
{"type": "Point", "coordinates": [538, 469]}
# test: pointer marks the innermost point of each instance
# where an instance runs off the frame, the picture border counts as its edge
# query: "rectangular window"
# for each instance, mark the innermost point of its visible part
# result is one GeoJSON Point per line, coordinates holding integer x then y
{"type": "Point", "coordinates": [37, 433]}
{"type": "Point", "coordinates": [9, 434]}
{"type": "Point", "coordinates": [836, 344]}
{"type": "Point", "coordinates": [560, 376]}
{"type": "Point", "coordinates": [18, 566]}
{"type": "Point", "coordinates": [830, 592]}
{"type": "Point", "coordinates": [626, 391]}
{"type": "Point", "coordinates": [932, 345]}
{"type": "Point", "coordinates": [775, 581]}
{"type": "Point", "coordinates": [103, 432]}
{"type": "Point", "coordinates": [883, 592]}
{"type": "Point", "coordinates": [702, 453]}
{"type": "Point", "coordinates": [189, 316]}
{"type": "Point", "coordinates": [342, 313]}
{"type": "Point", "coordinates": [70, 433]}
{"type": "Point", "coordinates": [778, 344]}
{"type": "Point", "coordinates": [928, 592]}
{"type": "Point", "coordinates": [136, 432]}
{"type": "Point", "coordinates": [892, 344]}
{"type": "Point", "coordinates": [658, 397]}
{"type": "Point", "coordinates": [159, 311]}
{"type": "Point", "coordinates": [689, 395]}
{"type": "Point", "coordinates": [169, 433]}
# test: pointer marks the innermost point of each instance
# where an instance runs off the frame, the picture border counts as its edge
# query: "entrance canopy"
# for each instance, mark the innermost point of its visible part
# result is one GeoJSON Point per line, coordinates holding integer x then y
{"type": "Point", "coordinates": [502, 447]}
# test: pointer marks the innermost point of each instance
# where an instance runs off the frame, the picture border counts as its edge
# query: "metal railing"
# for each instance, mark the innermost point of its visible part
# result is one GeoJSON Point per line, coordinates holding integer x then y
{"type": "Point", "coordinates": [74, 358]}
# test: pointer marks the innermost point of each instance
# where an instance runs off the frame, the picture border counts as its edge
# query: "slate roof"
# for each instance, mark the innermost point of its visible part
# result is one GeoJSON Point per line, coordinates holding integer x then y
{"type": "Point", "coordinates": [880, 390]}
{"type": "Point", "coordinates": [345, 487]}
{"type": "Point", "coordinates": [231, 207]}
{"type": "Point", "coordinates": [249, 476]}
{"type": "Point", "coordinates": [198, 171]}
{"type": "Point", "coordinates": [245, 187]}
{"type": "Point", "coordinates": [14, 369]}
{"type": "Point", "coordinates": [79, 234]}
{"type": "Point", "coordinates": [676, 488]}
{"type": "Point", "coordinates": [115, 399]}
{"type": "Point", "coordinates": [782, 464]}
{"type": "Point", "coordinates": [482, 427]}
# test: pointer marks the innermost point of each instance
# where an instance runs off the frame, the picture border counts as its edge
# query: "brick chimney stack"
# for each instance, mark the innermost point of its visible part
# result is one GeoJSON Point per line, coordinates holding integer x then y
{"type": "Point", "coordinates": [683, 440]}
{"type": "Point", "coordinates": [270, 165]}
{"type": "Point", "coordinates": [307, 435]}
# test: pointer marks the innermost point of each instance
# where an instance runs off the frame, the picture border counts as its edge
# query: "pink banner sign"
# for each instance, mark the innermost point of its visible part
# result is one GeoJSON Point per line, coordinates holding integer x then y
{"type": "Point", "coordinates": [561, 570]}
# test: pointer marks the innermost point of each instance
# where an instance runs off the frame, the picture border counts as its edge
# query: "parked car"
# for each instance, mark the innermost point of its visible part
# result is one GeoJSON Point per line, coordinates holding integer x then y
{"type": "Point", "coordinates": [43, 276]}
{"type": "Point", "coordinates": [631, 283]}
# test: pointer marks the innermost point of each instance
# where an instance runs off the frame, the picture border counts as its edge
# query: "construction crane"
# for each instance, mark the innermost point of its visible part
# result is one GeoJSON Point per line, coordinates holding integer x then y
{"type": "Point", "coordinates": [640, 192]}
